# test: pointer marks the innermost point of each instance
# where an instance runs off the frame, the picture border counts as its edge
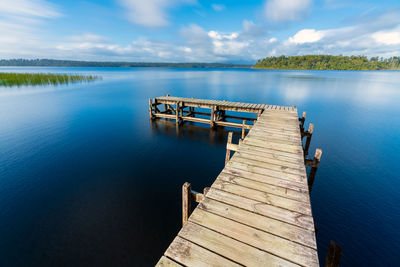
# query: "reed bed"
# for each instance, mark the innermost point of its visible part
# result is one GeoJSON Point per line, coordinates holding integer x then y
{"type": "Point", "coordinates": [20, 79]}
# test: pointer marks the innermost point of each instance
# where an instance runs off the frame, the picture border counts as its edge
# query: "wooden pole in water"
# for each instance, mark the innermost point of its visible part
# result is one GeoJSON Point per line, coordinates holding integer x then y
{"type": "Point", "coordinates": [302, 120]}
{"type": "Point", "coordinates": [212, 117]}
{"type": "Point", "coordinates": [308, 140]}
{"type": "Point", "coordinates": [186, 202]}
{"type": "Point", "coordinates": [334, 255]}
{"type": "Point", "coordinates": [314, 168]}
{"type": "Point", "coordinates": [243, 128]}
{"type": "Point", "coordinates": [228, 152]}
{"type": "Point", "coordinates": [150, 109]}
{"type": "Point", "coordinates": [177, 114]}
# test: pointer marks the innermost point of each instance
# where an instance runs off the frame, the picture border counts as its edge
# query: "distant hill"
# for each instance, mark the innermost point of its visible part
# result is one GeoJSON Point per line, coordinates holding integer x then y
{"type": "Point", "coordinates": [73, 63]}
{"type": "Point", "coordinates": [328, 62]}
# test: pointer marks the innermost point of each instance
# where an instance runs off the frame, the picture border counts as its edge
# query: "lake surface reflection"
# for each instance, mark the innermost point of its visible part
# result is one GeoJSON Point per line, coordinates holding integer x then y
{"type": "Point", "coordinates": [87, 179]}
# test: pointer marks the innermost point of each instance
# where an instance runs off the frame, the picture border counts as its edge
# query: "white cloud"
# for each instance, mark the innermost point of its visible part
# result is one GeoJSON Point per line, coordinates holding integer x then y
{"type": "Point", "coordinates": [151, 13]}
{"type": "Point", "coordinates": [218, 7]}
{"type": "Point", "coordinates": [88, 37]}
{"type": "Point", "coordinates": [21, 26]}
{"type": "Point", "coordinates": [387, 37]}
{"type": "Point", "coordinates": [32, 8]}
{"type": "Point", "coordinates": [307, 36]}
{"type": "Point", "coordinates": [272, 40]}
{"type": "Point", "coordinates": [287, 10]}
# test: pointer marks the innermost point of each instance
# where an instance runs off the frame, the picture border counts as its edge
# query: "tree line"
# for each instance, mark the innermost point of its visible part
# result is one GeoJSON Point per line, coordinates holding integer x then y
{"type": "Point", "coordinates": [328, 62]}
{"type": "Point", "coordinates": [74, 63]}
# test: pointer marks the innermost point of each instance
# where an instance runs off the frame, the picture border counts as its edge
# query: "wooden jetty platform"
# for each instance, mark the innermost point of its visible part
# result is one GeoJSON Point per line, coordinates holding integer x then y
{"type": "Point", "coordinates": [258, 211]}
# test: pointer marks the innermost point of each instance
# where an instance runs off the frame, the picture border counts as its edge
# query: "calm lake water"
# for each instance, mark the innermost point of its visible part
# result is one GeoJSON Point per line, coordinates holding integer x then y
{"type": "Point", "coordinates": [86, 179]}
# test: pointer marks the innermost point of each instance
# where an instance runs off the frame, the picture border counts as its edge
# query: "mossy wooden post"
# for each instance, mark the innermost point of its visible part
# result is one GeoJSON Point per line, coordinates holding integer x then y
{"type": "Point", "coordinates": [308, 140]}
{"type": "Point", "coordinates": [334, 255]}
{"type": "Point", "coordinates": [243, 129]}
{"type": "Point", "coordinates": [228, 152]}
{"type": "Point", "coordinates": [212, 117]}
{"type": "Point", "coordinates": [150, 109]}
{"type": "Point", "coordinates": [314, 168]}
{"type": "Point", "coordinates": [186, 202]}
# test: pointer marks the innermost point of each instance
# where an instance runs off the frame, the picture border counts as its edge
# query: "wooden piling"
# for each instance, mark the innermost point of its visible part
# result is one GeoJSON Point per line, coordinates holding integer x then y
{"type": "Point", "coordinates": [308, 139]}
{"type": "Point", "coordinates": [243, 129]}
{"type": "Point", "coordinates": [177, 114]}
{"type": "Point", "coordinates": [212, 117]}
{"type": "Point", "coordinates": [228, 152]}
{"type": "Point", "coordinates": [334, 255]}
{"type": "Point", "coordinates": [150, 109]}
{"type": "Point", "coordinates": [302, 120]}
{"type": "Point", "coordinates": [186, 202]}
{"type": "Point", "coordinates": [314, 168]}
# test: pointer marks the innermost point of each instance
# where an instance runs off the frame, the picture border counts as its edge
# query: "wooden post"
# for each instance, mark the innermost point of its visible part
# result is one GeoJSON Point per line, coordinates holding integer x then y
{"type": "Point", "coordinates": [186, 202]}
{"type": "Point", "coordinates": [177, 114]}
{"type": "Point", "coordinates": [308, 140]}
{"type": "Point", "coordinates": [334, 255]}
{"type": "Point", "coordinates": [212, 117]}
{"type": "Point", "coordinates": [243, 128]}
{"type": "Point", "coordinates": [228, 152]}
{"type": "Point", "coordinates": [205, 190]}
{"type": "Point", "coordinates": [150, 109]}
{"type": "Point", "coordinates": [302, 120]}
{"type": "Point", "coordinates": [314, 168]}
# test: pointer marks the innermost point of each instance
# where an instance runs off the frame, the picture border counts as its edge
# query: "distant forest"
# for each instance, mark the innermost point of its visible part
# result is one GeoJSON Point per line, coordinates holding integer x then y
{"type": "Point", "coordinates": [73, 63]}
{"type": "Point", "coordinates": [327, 62]}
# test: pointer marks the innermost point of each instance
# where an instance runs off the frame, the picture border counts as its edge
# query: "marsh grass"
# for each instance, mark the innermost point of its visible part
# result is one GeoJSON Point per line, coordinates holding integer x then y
{"type": "Point", "coordinates": [20, 79]}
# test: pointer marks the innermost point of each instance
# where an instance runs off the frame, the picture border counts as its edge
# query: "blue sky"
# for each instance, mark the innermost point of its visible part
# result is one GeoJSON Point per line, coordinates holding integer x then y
{"type": "Point", "coordinates": [233, 31]}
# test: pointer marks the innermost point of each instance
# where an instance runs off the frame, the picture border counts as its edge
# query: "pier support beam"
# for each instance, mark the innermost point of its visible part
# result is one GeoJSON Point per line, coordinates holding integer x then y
{"type": "Point", "coordinates": [228, 151]}
{"type": "Point", "coordinates": [151, 109]}
{"type": "Point", "coordinates": [308, 134]}
{"type": "Point", "coordinates": [186, 202]}
{"type": "Point", "coordinates": [243, 129]}
{"type": "Point", "coordinates": [188, 195]}
{"type": "Point", "coordinates": [313, 163]}
{"type": "Point", "coordinates": [302, 120]}
{"type": "Point", "coordinates": [212, 117]}
{"type": "Point", "coordinates": [334, 255]}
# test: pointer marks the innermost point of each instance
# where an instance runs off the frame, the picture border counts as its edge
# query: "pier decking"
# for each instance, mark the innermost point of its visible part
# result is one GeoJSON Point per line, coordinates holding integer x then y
{"type": "Point", "coordinates": [258, 211]}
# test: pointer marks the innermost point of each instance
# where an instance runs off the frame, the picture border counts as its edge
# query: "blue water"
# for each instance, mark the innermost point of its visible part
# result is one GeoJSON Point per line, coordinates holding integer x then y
{"type": "Point", "coordinates": [86, 179]}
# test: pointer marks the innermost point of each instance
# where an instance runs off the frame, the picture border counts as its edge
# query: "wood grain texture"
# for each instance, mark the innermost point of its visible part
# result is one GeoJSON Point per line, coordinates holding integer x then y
{"type": "Point", "coordinates": [258, 211]}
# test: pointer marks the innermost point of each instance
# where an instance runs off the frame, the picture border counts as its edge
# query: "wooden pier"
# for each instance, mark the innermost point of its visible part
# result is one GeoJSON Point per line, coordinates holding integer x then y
{"type": "Point", "coordinates": [258, 211]}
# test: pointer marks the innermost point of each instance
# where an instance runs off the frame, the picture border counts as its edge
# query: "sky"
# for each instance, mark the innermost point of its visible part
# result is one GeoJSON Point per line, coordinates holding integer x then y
{"type": "Point", "coordinates": [235, 31]}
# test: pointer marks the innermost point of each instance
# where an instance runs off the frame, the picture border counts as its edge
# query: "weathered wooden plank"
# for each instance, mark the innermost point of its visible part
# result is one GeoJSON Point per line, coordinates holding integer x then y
{"type": "Point", "coordinates": [298, 186]}
{"type": "Point", "coordinates": [284, 215]}
{"type": "Point", "coordinates": [270, 159]}
{"type": "Point", "coordinates": [266, 224]}
{"type": "Point", "coordinates": [266, 137]}
{"type": "Point", "coordinates": [275, 134]}
{"type": "Point", "coordinates": [228, 247]}
{"type": "Point", "coordinates": [266, 165]}
{"type": "Point", "coordinates": [294, 149]}
{"type": "Point", "coordinates": [265, 187]}
{"type": "Point", "coordinates": [268, 172]}
{"type": "Point", "coordinates": [190, 254]}
{"type": "Point", "coordinates": [253, 148]}
{"type": "Point", "coordinates": [164, 261]}
{"type": "Point", "coordinates": [276, 245]}
{"type": "Point", "coordinates": [264, 197]}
